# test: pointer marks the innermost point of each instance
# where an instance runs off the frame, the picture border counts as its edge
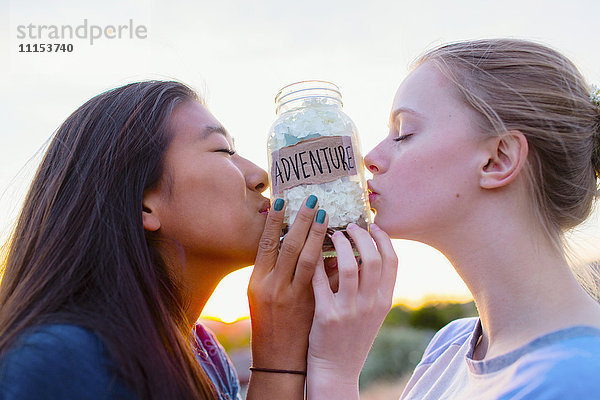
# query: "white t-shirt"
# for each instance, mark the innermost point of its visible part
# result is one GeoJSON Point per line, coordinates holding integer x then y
{"type": "Point", "coordinates": [559, 365]}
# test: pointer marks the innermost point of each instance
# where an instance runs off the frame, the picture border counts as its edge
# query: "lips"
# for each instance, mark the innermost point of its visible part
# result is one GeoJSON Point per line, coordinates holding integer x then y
{"type": "Point", "coordinates": [265, 208]}
{"type": "Point", "coordinates": [373, 195]}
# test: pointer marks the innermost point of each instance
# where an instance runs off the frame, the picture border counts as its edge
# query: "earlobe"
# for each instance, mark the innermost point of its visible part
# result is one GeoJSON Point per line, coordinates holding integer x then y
{"type": "Point", "coordinates": [151, 222]}
{"type": "Point", "coordinates": [150, 219]}
{"type": "Point", "coordinates": [506, 157]}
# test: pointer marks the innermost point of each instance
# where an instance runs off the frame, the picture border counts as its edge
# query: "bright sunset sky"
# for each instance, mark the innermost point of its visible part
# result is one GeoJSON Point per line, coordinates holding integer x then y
{"type": "Point", "coordinates": [239, 54]}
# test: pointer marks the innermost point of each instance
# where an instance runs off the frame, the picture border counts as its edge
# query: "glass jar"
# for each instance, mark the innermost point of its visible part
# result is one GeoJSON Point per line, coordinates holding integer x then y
{"type": "Point", "coordinates": [313, 149]}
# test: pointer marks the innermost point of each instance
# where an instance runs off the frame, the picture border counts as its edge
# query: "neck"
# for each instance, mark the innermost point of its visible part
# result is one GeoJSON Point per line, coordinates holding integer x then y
{"type": "Point", "coordinates": [198, 276]}
{"type": "Point", "coordinates": [200, 280]}
{"type": "Point", "coordinates": [521, 283]}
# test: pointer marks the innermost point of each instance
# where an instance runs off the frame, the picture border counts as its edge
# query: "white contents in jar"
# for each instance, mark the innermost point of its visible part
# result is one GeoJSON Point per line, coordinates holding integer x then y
{"type": "Point", "coordinates": [343, 199]}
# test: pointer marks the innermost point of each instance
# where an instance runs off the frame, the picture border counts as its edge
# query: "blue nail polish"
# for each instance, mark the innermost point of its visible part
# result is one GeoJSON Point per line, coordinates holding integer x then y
{"type": "Point", "coordinates": [321, 216]}
{"type": "Point", "coordinates": [278, 206]}
{"type": "Point", "coordinates": [311, 202]}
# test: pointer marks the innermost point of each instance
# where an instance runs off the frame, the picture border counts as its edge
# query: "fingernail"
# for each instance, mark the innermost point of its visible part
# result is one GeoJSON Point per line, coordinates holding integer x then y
{"type": "Point", "coordinates": [311, 202]}
{"type": "Point", "coordinates": [321, 216]}
{"type": "Point", "coordinates": [351, 226]}
{"type": "Point", "coordinates": [278, 206]}
{"type": "Point", "coordinates": [374, 228]}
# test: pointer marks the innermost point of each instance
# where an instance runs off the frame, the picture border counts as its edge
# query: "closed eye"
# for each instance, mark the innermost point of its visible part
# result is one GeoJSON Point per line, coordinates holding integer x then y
{"type": "Point", "coordinates": [402, 137]}
{"type": "Point", "coordinates": [230, 152]}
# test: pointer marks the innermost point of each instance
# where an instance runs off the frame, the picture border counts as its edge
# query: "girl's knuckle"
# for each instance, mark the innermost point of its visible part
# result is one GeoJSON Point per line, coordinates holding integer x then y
{"type": "Point", "coordinates": [290, 247]}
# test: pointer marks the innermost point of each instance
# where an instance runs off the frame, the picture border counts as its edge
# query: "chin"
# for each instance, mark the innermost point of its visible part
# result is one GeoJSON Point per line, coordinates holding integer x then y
{"type": "Point", "coordinates": [383, 223]}
{"type": "Point", "coordinates": [391, 228]}
{"type": "Point", "coordinates": [248, 261]}
{"type": "Point", "coordinates": [246, 257]}
{"type": "Point", "coordinates": [237, 262]}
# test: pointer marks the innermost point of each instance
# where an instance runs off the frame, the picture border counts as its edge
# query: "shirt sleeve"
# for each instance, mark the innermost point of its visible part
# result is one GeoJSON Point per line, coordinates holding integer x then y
{"type": "Point", "coordinates": [58, 362]}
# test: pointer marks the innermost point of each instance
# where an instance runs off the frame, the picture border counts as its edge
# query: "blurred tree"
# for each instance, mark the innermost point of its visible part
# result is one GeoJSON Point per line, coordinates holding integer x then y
{"type": "Point", "coordinates": [427, 317]}
{"type": "Point", "coordinates": [395, 352]}
{"type": "Point", "coordinates": [404, 335]}
{"type": "Point", "coordinates": [437, 315]}
{"type": "Point", "coordinates": [398, 316]}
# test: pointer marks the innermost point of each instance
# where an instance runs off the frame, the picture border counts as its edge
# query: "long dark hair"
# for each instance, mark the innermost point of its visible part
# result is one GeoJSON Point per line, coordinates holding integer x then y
{"type": "Point", "coordinates": [79, 253]}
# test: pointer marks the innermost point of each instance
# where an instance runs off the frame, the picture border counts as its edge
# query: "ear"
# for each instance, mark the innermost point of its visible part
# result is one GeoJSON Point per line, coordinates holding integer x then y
{"type": "Point", "coordinates": [507, 155]}
{"type": "Point", "coordinates": [150, 218]}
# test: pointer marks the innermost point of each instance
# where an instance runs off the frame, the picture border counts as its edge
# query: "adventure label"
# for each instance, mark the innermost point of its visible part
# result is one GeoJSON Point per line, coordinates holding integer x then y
{"type": "Point", "coordinates": [312, 161]}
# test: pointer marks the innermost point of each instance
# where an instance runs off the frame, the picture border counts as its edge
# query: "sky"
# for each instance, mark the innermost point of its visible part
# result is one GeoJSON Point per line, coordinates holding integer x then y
{"type": "Point", "coordinates": [238, 54]}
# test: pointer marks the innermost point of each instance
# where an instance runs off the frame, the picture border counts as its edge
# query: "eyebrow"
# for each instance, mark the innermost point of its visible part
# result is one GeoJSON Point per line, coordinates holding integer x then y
{"type": "Point", "coordinates": [220, 129]}
{"type": "Point", "coordinates": [208, 129]}
{"type": "Point", "coordinates": [404, 110]}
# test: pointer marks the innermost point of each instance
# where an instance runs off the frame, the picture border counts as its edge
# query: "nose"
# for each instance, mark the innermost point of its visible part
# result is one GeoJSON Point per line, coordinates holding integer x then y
{"type": "Point", "coordinates": [372, 161]}
{"type": "Point", "coordinates": [257, 179]}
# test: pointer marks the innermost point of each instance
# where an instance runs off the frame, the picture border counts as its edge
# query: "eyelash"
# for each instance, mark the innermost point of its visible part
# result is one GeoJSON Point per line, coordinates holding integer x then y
{"type": "Point", "coordinates": [230, 152]}
{"type": "Point", "coordinates": [402, 137]}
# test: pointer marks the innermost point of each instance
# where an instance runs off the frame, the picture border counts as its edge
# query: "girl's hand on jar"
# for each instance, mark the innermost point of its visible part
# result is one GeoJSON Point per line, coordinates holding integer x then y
{"type": "Point", "coordinates": [346, 323]}
{"type": "Point", "coordinates": [282, 302]}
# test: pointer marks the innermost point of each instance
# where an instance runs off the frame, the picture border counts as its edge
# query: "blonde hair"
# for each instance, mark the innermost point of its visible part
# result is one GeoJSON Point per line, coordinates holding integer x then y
{"type": "Point", "coordinates": [521, 85]}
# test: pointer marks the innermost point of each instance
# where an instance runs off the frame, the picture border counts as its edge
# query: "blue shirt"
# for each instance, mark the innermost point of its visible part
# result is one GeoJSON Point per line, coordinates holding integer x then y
{"type": "Point", "coordinates": [70, 362]}
{"type": "Point", "coordinates": [564, 364]}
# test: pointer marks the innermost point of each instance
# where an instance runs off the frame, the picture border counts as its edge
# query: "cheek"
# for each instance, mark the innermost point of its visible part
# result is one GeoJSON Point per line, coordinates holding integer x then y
{"type": "Point", "coordinates": [419, 180]}
{"type": "Point", "coordinates": [221, 185]}
{"type": "Point", "coordinates": [210, 198]}
{"type": "Point", "coordinates": [413, 173]}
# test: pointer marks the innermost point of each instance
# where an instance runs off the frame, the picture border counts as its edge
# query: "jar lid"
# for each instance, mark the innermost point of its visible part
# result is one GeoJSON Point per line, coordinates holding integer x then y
{"type": "Point", "coordinates": [307, 89]}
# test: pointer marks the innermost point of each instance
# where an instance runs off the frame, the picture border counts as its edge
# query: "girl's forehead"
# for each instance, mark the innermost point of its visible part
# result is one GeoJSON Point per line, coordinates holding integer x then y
{"type": "Point", "coordinates": [426, 76]}
{"type": "Point", "coordinates": [192, 121]}
{"type": "Point", "coordinates": [426, 94]}
{"type": "Point", "coordinates": [422, 87]}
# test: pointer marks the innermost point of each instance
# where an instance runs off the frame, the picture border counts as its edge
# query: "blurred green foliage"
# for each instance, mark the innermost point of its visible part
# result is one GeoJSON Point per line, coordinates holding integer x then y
{"type": "Point", "coordinates": [232, 342]}
{"type": "Point", "coordinates": [436, 316]}
{"type": "Point", "coordinates": [429, 316]}
{"type": "Point", "coordinates": [397, 349]}
{"type": "Point", "coordinates": [395, 352]}
{"type": "Point", "coordinates": [403, 337]}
